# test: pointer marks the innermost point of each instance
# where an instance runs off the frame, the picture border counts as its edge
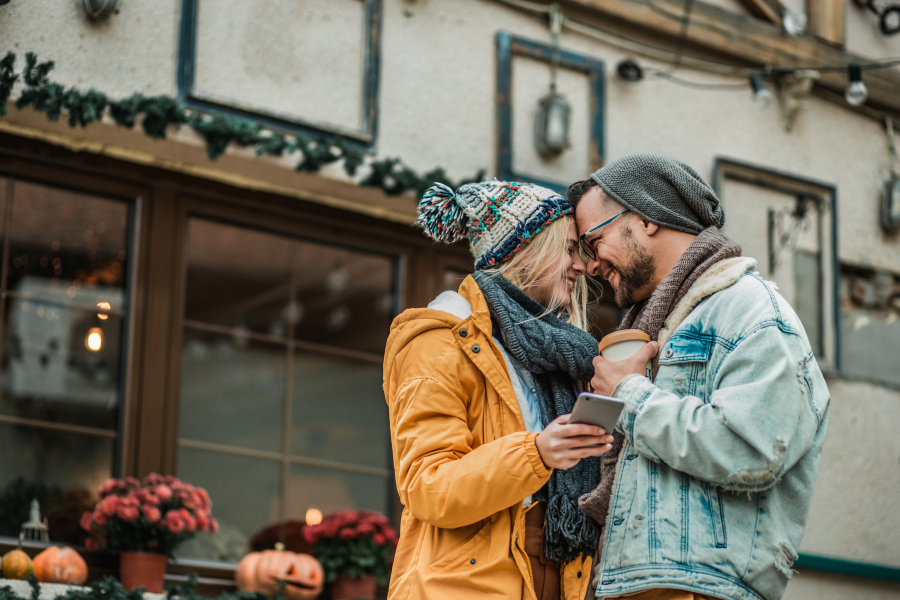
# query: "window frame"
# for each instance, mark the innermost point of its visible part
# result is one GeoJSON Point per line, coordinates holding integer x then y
{"type": "Point", "coordinates": [508, 47]}
{"type": "Point", "coordinates": [825, 195]}
{"type": "Point", "coordinates": [363, 138]}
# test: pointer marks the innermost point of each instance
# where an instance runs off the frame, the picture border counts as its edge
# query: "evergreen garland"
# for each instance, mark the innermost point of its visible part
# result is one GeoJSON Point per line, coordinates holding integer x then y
{"type": "Point", "coordinates": [159, 112]}
{"type": "Point", "coordinates": [108, 588]}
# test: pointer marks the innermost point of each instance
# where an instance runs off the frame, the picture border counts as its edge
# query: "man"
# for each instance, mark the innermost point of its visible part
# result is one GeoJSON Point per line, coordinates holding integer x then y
{"type": "Point", "coordinates": [706, 491]}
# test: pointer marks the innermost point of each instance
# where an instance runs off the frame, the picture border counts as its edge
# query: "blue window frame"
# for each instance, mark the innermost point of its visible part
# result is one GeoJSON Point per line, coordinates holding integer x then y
{"type": "Point", "coordinates": [509, 46]}
{"type": "Point", "coordinates": [363, 138]}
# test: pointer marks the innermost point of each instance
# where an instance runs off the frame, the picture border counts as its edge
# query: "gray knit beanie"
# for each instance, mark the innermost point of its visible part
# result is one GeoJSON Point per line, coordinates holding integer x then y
{"type": "Point", "coordinates": [663, 191]}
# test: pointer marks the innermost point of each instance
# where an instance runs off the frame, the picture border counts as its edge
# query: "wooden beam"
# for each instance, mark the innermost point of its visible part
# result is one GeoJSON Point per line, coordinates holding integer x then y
{"type": "Point", "coordinates": [769, 10]}
{"type": "Point", "coordinates": [826, 20]}
{"type": "Point", "coordinates": [742, 38]}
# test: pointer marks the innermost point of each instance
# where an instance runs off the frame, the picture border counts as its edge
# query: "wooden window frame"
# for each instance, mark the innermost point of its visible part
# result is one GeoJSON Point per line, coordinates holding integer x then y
{"type": "Point", "coordinates": [363, 138]}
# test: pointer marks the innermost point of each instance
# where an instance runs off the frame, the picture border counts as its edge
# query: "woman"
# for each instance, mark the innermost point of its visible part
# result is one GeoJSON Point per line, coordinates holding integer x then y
{"type": "Point", "coordinates": [479, 386]}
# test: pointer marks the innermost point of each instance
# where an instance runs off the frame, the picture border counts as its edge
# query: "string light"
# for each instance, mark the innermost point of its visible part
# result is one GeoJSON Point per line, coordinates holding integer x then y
{"type": "Point", "coordinates": [762, 97]}
{"type": "Point", "coordinates": [856, 90]}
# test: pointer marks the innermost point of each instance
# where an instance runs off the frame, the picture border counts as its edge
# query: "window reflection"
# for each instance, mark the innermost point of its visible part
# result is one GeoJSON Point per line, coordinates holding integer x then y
{"type": "Point", "coordinates": [281, 383]}
{"type": "Point", "coordinates": [63, 308]}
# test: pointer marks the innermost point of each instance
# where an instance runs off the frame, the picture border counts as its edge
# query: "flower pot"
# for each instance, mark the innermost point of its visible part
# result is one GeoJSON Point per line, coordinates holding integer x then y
{"type": "Point", "coordinates": [142, 569]}
{"type": "Point", "coordinates": [353, 588]}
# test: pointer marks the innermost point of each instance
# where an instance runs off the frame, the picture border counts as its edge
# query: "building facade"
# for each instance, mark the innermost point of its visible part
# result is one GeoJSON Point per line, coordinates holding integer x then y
{"type": "Point", "coordinates": [223, 320]}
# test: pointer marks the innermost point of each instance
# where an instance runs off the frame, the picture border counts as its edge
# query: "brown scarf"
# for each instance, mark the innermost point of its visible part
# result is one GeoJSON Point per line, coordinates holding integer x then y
{"type": "Point", "coordinates": [649, 316]}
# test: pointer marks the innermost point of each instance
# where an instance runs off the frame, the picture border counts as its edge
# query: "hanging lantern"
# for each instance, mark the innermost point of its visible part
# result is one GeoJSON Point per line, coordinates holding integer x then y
{"type": "Point", "coordinates": [551, 125]}
{"type": "Point", "coordinates": [35, 528]}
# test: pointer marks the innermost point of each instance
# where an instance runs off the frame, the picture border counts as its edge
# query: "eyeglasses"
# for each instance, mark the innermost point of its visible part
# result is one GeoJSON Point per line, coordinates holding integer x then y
{"type": "Point", "coordinates": [585, 246]}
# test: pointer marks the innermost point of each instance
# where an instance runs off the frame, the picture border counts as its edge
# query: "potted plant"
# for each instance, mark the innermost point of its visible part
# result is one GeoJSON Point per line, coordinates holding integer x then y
{"type": "Point", "coordinates": [144, 521]}
{"type": "Point", "coordinates": [356, 549]}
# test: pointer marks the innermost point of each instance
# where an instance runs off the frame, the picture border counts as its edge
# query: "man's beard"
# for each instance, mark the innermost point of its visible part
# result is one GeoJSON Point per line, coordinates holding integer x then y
{"type": "Point", "coordinates": [636, 274]}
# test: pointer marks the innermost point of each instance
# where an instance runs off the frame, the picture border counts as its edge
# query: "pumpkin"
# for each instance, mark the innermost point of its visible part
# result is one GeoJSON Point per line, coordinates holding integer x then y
{"type": "Point", "coordinates": [302, 574]}
{"type": "Point", "coordinates": [60, 565]}
{"type": "Point", "coordinates": [16, 565]}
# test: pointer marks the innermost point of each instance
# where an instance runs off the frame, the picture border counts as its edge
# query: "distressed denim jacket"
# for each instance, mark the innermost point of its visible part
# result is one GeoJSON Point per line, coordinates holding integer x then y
{"type": "Point", "coordinates": [714, 483]}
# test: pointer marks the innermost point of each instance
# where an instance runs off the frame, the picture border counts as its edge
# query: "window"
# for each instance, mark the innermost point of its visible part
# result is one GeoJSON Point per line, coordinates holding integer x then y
{"type": "Point", "coordinates": [281, 404]}
{"type": "Point", "coordinates": [64, 302]}
{"type": "Point", "coordinates": [787, 223]}
{"type": "Point", "coordinates": [320, 75]}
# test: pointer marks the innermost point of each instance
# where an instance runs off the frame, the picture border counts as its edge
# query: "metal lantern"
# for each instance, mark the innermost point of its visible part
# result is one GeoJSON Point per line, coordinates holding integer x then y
{"type": "Point", "coordinates": [99, 9]}
{"type": "Point", "coordinates": [35, 528]}
{"type": "Point", "coordinates": [551, 125]}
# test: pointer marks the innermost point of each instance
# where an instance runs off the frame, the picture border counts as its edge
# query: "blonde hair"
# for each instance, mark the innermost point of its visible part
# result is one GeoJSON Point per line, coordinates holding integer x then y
{"type": "Point", "coordinates": [538, 265]}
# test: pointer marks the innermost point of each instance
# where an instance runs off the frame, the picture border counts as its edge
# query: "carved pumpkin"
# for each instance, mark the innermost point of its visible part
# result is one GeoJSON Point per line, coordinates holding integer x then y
{"type": "Point", "coordinates": [17, 565]}
{"type": "Point", "coordinates": [60, 565]}
{"type": "Point", "coordinates": [262, 571]}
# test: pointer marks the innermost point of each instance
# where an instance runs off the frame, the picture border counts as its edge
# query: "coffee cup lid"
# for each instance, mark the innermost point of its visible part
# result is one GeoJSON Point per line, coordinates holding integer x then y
{"type": "Point", "coordinates": [625, 335]}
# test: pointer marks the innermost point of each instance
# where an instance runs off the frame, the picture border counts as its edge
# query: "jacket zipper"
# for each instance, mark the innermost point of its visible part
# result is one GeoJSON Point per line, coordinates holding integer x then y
{"type": "Point", "coordinates": [521, 548]}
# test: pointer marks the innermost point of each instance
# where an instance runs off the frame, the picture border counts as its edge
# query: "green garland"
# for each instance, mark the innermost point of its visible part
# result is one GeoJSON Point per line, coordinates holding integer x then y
{"type": "Point", "coordinates": [159, 112]}
{"type": "Point", "coordinates": [108, 588]}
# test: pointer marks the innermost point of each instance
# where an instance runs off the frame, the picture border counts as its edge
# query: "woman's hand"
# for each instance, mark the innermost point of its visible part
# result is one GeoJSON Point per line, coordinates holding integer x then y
{"type": "Point", "coordinates": [562, 444]}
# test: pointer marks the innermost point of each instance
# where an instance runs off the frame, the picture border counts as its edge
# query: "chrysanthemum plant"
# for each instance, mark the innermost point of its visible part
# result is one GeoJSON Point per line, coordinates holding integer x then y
{"type": "Point", "coordinates": [153, 515]}
{"type": "Point", "coordinates": [354, 544]}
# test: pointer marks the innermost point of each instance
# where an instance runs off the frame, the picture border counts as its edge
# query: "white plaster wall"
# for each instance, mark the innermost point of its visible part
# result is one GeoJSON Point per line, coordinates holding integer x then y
{"type": "Point", "coordinates": [815, 585]}
{"type": "Point", "coordinates": [133, 51]}
{"type": "Point", "coordinates": [437, 109]}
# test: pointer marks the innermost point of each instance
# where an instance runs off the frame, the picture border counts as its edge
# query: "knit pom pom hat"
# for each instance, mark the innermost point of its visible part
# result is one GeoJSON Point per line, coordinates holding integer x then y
{"type": "Point", "coordinates": [498, 217]}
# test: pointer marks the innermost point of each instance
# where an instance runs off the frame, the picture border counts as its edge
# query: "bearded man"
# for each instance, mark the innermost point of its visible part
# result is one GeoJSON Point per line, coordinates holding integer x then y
{"type": "Point", "coordinates": [706, 491]}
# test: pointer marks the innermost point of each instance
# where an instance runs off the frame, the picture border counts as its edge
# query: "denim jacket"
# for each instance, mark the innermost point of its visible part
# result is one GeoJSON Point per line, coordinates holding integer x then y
{"type": "Point", "coordinates": [714, 482]}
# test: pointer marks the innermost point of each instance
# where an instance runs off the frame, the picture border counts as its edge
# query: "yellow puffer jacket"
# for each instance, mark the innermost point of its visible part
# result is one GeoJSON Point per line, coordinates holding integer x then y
{"type": "Point", "coordinates": [463, 462]}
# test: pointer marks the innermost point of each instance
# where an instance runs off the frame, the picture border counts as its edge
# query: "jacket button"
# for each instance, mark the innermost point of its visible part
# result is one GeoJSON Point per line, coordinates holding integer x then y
{"type": "Point", "coordinates": [669, 353]}
{"type": "Point", "coordinates": [578, 575]}
{"type": "Point", "coordinates": [472, 561]}
{"type": "Point", "coordinates": [617, 522]}
{"type": "Point", "coordinates": [476, 348]}
{"type": "Point", "coordinates": [463, 333]}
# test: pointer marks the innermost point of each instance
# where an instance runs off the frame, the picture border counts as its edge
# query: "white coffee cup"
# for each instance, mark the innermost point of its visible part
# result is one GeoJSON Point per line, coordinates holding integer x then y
{"type": "Point", "coordinates": [619, 345]}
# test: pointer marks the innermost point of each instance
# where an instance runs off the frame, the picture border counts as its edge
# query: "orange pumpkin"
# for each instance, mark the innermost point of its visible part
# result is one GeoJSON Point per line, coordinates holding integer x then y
{"type": "Point", "coordinates": [262, 571]}
{"type": "Point", "coordinates": [60, 565]}
{"type": "Point", "coordinates": [16, 565]}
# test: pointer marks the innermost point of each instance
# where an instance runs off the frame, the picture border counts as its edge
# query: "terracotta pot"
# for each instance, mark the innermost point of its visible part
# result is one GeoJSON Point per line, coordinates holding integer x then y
{"type": "Point", "coordinates": [353, 588]}
{"type": "Point", "coordinates": [142, 569]}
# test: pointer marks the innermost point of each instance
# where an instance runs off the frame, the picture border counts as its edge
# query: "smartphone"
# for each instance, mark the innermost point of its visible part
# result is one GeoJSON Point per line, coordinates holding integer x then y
{"type": "Point", "coordinates": [598, 410]}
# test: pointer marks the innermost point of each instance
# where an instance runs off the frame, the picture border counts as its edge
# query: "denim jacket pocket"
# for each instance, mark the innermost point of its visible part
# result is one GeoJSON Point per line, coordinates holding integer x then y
{"type": "Point", "coordinates": [682, 362]}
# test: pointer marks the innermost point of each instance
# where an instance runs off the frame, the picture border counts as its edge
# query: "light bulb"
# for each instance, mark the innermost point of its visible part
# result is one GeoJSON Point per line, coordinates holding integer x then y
{"type": "Point", "coordinates": [762, 97]}
{"type": "Point", "coordinates": [94, 339]}
{"type": "Point", "coordinates": [313, 516]}
{"type": "Point", "coordinates": [856, 92]}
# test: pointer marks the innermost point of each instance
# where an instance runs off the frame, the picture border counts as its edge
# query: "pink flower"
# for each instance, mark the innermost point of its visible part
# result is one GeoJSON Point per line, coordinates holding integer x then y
{"type": "Point", "coordinates": [132, 483]}
{"type": "Point", "coordinates": [100, 518]}
{"type": "Point", "coordinates": [110, 486]}
{"type": "Point", "coordinates": [151, 513]}
{"type": "Point", "coordinates": [365, 528]}
{"type": "Point", "coordinates": [213, 526]}
{"type": "Point", "coordinates": [202, 521]}
{"type": "Point", "coordinates": [128, 513]}
{"type": "Point", "coordinates": [205, 502]}
{"type": "Point", "coordinates": [379, 539]}
{"type": "Point", "coordinates": [310, 535]}
{"type": "Point", "coordinates": [174, 522]}
{"type": "Point", "coordinates": [90, 545]}
{"type": "Point", "coordinates": [87, 519]}
{"type": "Point", "coordinates": [190, 523]}
{"type": "Point", "coordinates": [347, 534]}
{"type": "Point", "coordinates": [154, 479]}
{"type": "Point", "coordinates": [107, 507]}
{"type": "Point", "coordinates": [131, 500]}
{"type": "Point", "coordinates": [164, 492]}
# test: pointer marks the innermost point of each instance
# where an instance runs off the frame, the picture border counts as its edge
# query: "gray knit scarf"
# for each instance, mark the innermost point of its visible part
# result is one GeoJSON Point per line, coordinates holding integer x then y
{"type": "Point", "coordinates": [649, 315]}
{"type": "Point", "coordinates": [557, 355]}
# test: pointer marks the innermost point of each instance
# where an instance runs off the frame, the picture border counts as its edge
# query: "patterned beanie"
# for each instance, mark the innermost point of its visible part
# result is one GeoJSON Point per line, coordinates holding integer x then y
{"type": "Point", "coordinates": [498, 217]}
{"type": "Point", "coordinates": [662, 190]}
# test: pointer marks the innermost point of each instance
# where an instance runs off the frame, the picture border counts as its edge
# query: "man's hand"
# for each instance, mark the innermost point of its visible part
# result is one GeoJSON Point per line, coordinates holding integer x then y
{"type": "Point", "coordinates": [607, 374]}
{"type": "Point", "coordinates": [562, 444]}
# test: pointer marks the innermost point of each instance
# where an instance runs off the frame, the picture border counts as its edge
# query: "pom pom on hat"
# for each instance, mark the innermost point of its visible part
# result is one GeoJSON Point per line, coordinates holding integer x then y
{"type": "Point", "coordinates": [441, 216]}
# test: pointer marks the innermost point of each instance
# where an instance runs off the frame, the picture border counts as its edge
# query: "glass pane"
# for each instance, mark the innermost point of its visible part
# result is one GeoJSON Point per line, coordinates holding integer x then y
{"type": "Point", "coordinates": [339, 412]}
{"type": "Point", "coordinates": [344, 298]}
{"type": "Point", "coordinates": [245, 497]}
{"type": "Point", "coordinates": [67, 247]}
{"type": "Point", "coordinates": [60, 364]}
{"type": "Point", "coordinates": [870, 324]}
{"type": "Point", "coordinates": [329, 490]}
{"type": "Point", "coordinates": [62, 470]}
{"type": "Point", "coordinates": [232, 391]}
{"type": "Point", "coordinates": [238, 278]}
